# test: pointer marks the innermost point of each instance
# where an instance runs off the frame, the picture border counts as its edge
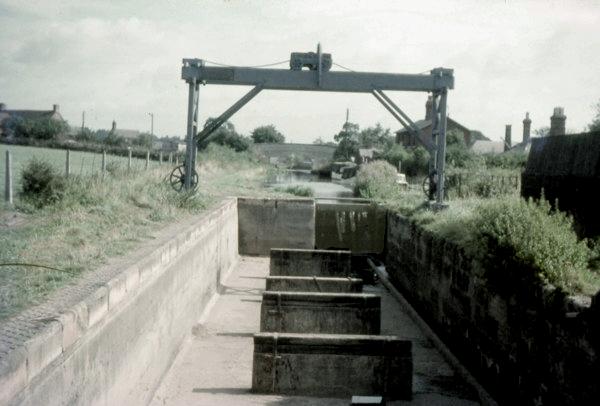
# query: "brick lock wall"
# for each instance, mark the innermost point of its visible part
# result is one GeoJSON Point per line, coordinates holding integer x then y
{"type": "Point", "coordinates": [525, 342]}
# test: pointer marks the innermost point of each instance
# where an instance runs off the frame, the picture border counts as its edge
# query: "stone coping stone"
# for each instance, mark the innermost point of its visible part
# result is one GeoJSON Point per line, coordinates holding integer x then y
{"type": "Point", "coordinates": [329, 313]}
{"type": "Point", "coordinates": [310, 262]}
{"type": "Point", "coordinates": [332, 365]}
{"type": "Point", "coordinates": [314, 284]}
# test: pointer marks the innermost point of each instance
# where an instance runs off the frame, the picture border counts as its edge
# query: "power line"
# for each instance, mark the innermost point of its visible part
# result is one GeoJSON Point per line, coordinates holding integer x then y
{"type": "Point", "coordinates": [343, 67]}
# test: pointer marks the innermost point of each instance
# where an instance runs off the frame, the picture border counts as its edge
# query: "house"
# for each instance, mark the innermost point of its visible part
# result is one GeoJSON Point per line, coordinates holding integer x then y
{"type": "Point", "coordinates": [6, 114]}
{"type": "Point", "coordinates": [129, 135]}
{"type": "Point", "coordinates": [405, 138]}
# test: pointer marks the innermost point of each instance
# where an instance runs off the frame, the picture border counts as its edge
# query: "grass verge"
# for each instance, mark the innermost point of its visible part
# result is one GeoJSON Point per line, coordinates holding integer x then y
{"type": "Point", "coordinates": [98, 219]}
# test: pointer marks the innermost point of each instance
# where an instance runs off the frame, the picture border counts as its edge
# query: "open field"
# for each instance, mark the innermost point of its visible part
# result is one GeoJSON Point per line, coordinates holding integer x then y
{"type": "Point", "coordinates": [82, 163]}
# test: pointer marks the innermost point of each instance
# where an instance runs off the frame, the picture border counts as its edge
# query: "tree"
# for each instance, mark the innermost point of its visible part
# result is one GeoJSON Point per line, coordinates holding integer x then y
{"type": "Point", "coordinates": [144, 140]}
{"type": "Point", "coordinates": [595, 124]}
{"type": "Point", "coordinates": [225, 135]}
{"type": "Point", "coordinates": [375, 137]}
{"type": "Point", "coordinates": [347, 140]}
{"type": "Point", "coordinates": [542, 131]}
{"type": "Point", "coordinates": [414, 160]}
{"type": "Point", "coordinates": [38, 128]}
{"type": "Point", "coordinates": [115, 140]}
{"type": "Point", "coordinates": [267, 134]}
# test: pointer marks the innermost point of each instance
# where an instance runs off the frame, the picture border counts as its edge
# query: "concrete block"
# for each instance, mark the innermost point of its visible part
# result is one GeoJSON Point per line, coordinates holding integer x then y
{"type": "Point", "coordinates": [132, 278]}
{"type": "Point", "coordinates": [314, 284]}
{"type": "Point", "coordinates": [332, 365]}
{"type": "Point", "coordinates": [13, 374]}
{"type": "Point", "coordinates": [268, 223]}
{"type": "Point", "coordinates": [357, 227]}
{"type": "Point", "coordinates": [74, 323]}
{"type": "Point", "coordinates": [309, 262]}
{"type": "Point", "coordinates": [97, 305]}
{"type": "Point", "coordinates": [149, 267]}
{"type": "Point", "coordinates": [330, 313]}
{"type": "Point", "coordinates": [117, 289]}
{"type": "Point", "coordinates": [43, 348]}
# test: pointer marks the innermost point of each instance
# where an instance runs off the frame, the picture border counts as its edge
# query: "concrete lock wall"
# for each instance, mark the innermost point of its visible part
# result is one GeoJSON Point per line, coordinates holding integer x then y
{"type": "Point", "coordinates": [113, 348]}
{"type": "Point", "coordinates": [332, 365]}
{"type": "Point", "coordinates": [291, 262]}
{"type": "Point", "coordinates": [332, 313]}
{"type": "Point", "coordinates": [526, 342]}
{"type": "Point", "coordinates": [357, 227]}
{"type": "Point", "coordinates": [314, 284]}
{"type": "Point", "coordinates": [270, 223]}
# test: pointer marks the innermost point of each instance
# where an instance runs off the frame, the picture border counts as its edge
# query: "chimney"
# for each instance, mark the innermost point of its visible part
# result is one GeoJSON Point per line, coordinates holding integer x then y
{"type": "Point", "coordinates": [557, 122]}
{"type": "Point", "coordinates": [526, 129]}
{"type": "Point", "coordinates": [114, 126]}
{"type": "Point", "coordinates": [507, 137]}
{"type": "Point", "coordinates": [429, 108]}
{"type": "Point", "coordinates": [2, 106]}
{"type": "Point", "coordinates": [55, 108]}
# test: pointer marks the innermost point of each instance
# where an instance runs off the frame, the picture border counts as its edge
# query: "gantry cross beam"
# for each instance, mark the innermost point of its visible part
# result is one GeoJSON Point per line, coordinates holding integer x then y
{"type": "Point", "coordinates": [319, 78]}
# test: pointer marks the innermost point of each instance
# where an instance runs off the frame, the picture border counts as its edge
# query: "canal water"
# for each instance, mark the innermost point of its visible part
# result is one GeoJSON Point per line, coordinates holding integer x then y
{"type": "Point", "coordinates": [322, 187]}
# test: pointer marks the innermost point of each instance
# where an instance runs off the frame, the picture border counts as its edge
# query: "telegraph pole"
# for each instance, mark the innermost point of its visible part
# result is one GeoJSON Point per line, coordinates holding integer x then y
{"type": "Point", "coordinates": [151, 123]}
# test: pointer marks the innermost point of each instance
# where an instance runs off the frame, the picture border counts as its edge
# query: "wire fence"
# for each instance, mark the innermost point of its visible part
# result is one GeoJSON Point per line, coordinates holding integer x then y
{"type": "Point", "coordinates": [70, 163]}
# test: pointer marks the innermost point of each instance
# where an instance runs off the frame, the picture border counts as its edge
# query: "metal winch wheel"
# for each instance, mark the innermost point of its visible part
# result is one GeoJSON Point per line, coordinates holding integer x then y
{"type": "Point", "coordinates": [177, 178]}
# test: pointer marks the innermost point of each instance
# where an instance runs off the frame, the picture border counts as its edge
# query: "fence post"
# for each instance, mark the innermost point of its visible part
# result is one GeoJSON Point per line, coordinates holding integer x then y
{"type": "Point", "coordinates": [129, 159]}
{"type": "Point", "coordinates": [176, 160]}
{"type": "Point", "coordinates": [103, 163]}
{"type": "Point", "coordinates": [160, 158]}
{"type": "Point", "coordinates": [8, 192]}
{"type": "Point", "coordinates": [68, 164]}
{"type": "Point", "coordinates": [170, 158]}
{"type": "Point", "coordinates": [147, 159]}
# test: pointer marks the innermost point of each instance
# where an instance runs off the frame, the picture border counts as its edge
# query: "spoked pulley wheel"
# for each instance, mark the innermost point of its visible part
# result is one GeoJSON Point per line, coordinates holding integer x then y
{"type": "Point", "coordinates": [177, 178]}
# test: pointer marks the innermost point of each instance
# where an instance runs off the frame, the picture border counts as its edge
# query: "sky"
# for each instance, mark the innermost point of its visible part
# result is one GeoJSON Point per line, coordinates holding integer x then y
{"type": "Point", "coordinates": [121, 60]}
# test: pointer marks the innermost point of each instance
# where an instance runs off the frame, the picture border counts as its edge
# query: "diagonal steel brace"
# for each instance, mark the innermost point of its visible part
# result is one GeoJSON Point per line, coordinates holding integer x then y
{"type": "Point", "coordinates": [205, 134]}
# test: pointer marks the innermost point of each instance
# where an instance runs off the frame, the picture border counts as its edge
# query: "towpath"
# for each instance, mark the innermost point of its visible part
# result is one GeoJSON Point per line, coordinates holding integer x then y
{"type": "Point", "coordinates": [214, 366]}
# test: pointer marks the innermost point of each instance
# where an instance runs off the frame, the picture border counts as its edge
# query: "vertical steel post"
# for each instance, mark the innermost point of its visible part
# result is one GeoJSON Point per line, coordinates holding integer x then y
{"type": "Point", "coordinates": [129, 159]}
{"type": "Point", "coordinates": [434, 133]}
{"type": "Point", "coordinates": [441, 147]}
{"type": "Point", "coordinates": [189, 147]}
{"type": "Point", "coordinates": [8, 192]}
{"type": "Point", "coordinates": [147, 159]}
{"type": "Point", "coordinates": [160, 157]}
{"type": "Point", "coordinates": [68, 164]}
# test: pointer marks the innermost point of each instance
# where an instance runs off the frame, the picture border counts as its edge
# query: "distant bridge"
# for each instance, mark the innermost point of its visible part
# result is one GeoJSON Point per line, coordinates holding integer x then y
{"type": "Point", "coordinates": [319, 155]}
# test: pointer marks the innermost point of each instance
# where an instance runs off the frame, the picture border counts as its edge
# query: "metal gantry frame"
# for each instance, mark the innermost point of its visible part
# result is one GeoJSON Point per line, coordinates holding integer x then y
{"type": "Point", "coordinates": [437, 82]}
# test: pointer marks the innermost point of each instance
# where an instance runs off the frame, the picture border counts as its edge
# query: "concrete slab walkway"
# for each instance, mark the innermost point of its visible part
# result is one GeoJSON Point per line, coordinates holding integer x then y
{"type": "Point", "coordinates": [214, 366]}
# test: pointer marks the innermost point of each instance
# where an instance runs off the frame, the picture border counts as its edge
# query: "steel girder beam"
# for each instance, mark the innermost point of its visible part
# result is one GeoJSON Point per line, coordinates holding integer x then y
{"type": "Point", "coordinates": [205, 134]}
{"type": "Point", "coordinates": [284, 79]}
{"type": "Point", "coordinates": [406, 122]}
{"type": "Point", "coordinates": [437, 82]}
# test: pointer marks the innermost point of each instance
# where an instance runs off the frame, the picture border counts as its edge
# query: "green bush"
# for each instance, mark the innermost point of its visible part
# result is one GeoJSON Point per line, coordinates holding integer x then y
{"type": "Point", "coordinates": [507, 160]}
{"type": "Point", "coordinates": [377, 180]}
{"type": "Point", "coordinates": [41, 184]}
{"type": "Point", "coordinates": [514, 231]}
{"type": "Point", "coordinates": [414, 160]}
{"type": "Point", "coordinates": [39, 128]}
{"type": "Point", "coordinates": [297, 190]}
